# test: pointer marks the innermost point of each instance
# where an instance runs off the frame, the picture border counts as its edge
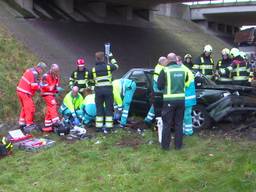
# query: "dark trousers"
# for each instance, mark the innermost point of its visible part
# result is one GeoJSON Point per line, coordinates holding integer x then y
{"type": "Point", "coordinates": [104, 95]}
{"type": "Point", "coordinates": [172, 115]}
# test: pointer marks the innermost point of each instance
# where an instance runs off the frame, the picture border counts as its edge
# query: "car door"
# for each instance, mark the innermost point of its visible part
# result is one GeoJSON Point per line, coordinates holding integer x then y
{"type": "Point", "coordinates": [141, 98]}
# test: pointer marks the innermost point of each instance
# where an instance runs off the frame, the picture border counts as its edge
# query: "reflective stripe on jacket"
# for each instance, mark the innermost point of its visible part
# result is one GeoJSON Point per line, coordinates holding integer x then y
{"type": "Point", "coordinates": [29, 82]}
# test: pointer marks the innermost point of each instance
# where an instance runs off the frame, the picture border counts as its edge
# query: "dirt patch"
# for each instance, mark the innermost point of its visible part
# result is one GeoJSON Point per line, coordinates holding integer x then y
{"type": "Point", "coordinates": [133, 141]}
{"type": "Point", "coordinates": [231, 131]}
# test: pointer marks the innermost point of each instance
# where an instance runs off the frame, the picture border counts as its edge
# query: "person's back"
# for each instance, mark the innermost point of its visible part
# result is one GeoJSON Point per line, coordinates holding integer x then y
{"type": "Point", "coordinates": [101, 73]}
{"type": "Point", "coordinates": [88, 108]}
{"type": "Point", "coordinates": [173, 80]}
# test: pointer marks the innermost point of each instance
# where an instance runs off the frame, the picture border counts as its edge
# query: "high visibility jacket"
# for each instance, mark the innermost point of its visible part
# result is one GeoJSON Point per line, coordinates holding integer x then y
{"type": "Point", "coordinates": [72, 103]}
{"type": "Point", "coordinates": [88, 106]}
{"type": "Point", "coordinates": [190, 91]}
{"type": "Point", "coordinates": [29, 82]}
{"type": "Point", "coordinates": [204, 65]}
{"type": "Point", "coordinates": [120, 86]}
{"type": "Point", "coordinates": [188, 65]}
{"type": "Point", "coordinates": [224, 70]}
{"type": "Point", "coordinates": [49, 84]}
{"type": "Point", "coordinates": [102, 73]}
{"type": "Point", "coordinates": [176, 79]}
{"type": "Point", "coordinates": [157, 70]}
{"type": "Point", "coordinates": [79, 78]}
{"type": "Point", "coordinates": [240, 70]}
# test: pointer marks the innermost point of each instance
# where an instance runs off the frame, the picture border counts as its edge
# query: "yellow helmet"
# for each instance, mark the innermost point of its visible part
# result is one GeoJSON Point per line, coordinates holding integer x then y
{"type": "Point", "coordinates": [225, 51]}
{"type": "Point", "coordinates": [234, 52]}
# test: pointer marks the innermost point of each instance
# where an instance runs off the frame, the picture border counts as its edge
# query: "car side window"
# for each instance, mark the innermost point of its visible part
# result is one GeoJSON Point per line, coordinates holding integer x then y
{"type": "Point", "coordinates": [139, 77]}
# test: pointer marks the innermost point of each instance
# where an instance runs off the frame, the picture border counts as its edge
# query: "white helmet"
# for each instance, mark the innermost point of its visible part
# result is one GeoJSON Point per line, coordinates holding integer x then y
{"type": "Point", "coordinates": [208, 48]}
{"type": "Point", "coordinates": [234, 52]}
{"type": "Point", "coordinates": [225, 51]}
{"type": "Point", "coordinates": [243, 55]}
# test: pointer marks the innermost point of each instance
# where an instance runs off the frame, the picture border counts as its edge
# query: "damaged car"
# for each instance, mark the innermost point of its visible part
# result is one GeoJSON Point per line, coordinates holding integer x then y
{"type": "Point", "coordinates": [215, 103]}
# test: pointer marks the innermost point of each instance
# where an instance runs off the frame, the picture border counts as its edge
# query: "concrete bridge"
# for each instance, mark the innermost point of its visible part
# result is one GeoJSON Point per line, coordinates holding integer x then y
{"type": "Point", "coordinates": [225, 17]}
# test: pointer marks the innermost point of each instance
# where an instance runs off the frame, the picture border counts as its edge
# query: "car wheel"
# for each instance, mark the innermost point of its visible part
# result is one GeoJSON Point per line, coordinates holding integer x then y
{"type": "Point", "coordinates": [200, 118]}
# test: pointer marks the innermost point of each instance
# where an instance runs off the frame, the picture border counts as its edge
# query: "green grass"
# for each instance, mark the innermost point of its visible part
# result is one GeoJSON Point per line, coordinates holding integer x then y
{"type": "Point", "coordinates": [203, 165]}
{"type": "Point", "coordinates": [14, 59]}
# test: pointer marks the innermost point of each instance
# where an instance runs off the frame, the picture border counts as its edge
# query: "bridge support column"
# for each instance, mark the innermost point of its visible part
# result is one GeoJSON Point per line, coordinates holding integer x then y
{"type": "Point", "coordinates": [98, 8]}
{"type": "Point", "coordinates": [126, 12]}
{"type": "Point", "coordinates": [146, 14]}
{"type": "Point", "coordinates": [67, 6]}
{"type": "Point", "coordinates": [25, 4]}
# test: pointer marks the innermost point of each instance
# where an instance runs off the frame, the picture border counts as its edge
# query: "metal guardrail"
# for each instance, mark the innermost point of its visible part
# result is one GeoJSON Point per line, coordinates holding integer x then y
{"type": "Point", "coordinates": [220, 2]}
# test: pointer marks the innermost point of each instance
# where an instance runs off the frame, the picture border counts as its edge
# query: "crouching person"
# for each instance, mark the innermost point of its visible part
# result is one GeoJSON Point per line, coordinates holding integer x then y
{"type": "Point", "coordinates": [71, 105]}
{"type": "Point", "coordinates": [88, 108]}
{"type": "Point", "coordinates": [190, 101]}
{"type": "Point", "coordinates": [123, 90]}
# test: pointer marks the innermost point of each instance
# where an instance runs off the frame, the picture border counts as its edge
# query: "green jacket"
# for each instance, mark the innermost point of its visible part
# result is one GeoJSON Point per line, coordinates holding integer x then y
{"type": "Point", "coordinates": [73, 103]}
{"type": "Point", "coordinates": [173, 80]}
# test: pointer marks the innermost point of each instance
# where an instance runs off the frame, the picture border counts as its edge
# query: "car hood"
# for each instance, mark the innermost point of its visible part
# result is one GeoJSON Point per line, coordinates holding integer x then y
{"type": "Point", "coordinates": [231, 88]}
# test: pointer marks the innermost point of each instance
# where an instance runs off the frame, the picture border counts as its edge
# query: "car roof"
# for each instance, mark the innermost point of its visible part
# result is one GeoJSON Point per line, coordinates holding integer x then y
{"type": "Point", "coordinates": [142, 69]}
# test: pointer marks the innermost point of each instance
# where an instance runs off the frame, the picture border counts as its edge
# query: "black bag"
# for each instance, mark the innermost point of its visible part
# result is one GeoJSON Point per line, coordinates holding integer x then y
{"type": "Point", "coordinates": [61, 129]}
{"type": "Point", "coordinates": [3, 150]}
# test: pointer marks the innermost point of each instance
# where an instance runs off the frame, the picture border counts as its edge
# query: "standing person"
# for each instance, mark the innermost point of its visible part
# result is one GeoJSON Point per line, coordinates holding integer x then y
{"type": "Point", "coordinates": [71, 106]}
{"type": "Point", "coordinates": [224, 73]}
{"type": "Point", "coordinates": [162, 61]}
{"type": "Point", "coordinates": [188, 61]}
{"type": "Point", "coordinates": [102, 76]}
{"type": "Point", "coordinates": [26, 89]}
{"type": "Point", "coordinates": [190, 101]}
{"type": "Point", "coordinates": [204, 63]}
{"type": "Point", "coordinates": [179, 60]}
{"type": "Point", "coordinates": [123, 90]}
{"type": "Point", "coordinates": [173, 80]}
{"type": "Point", "coordinates": [240, 70]}
{"type": "Point", "coordinates": [79, 77]}
{"type": "Point", "coordinates": [49, 88]}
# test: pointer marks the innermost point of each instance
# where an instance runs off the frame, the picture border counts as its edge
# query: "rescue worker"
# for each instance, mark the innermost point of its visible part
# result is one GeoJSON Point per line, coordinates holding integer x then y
{"type": "Point", "coordinates": [190, 101]}
{"type": "Point", "coordinates": [79, 77]}
{"type": "Point", "coordinates": [5, 147]}
{"type": "Point", "coordinates": [27, 86]}
{"type": "Point", "coordinates": [179, 60]}
{"type": "Point", "coordinates": [71, 105]}
{"type": "Point", "coordinates": [223, 68]}
{"type": "Point", "coordinates": [204, 63]}
{"type": "Point", "coordinates": [49, 88]}
{"type": "Point", "coordinates": [88, 108]}
{"type": "Point", "coordinates": [162, 61]}
{"type": "Point", "coordinates": [173, 80]}
{"type": "Point", "coordinates": [123, 90]}
{"type": "Point", "coordinates": [188, 61]}
{"type": "Point", "coordinates": [240, 70]}
{"type": "Point", "coordinates": [102, 76]}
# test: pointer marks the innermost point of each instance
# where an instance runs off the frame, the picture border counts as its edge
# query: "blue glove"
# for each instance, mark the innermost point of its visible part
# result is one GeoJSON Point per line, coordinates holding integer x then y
{"type": "Point", "coordinates": [117, 115]}
{"type": "Point", "coordinates": [60, 89]}
{"type": "Point", "coordinates": [76, 121]}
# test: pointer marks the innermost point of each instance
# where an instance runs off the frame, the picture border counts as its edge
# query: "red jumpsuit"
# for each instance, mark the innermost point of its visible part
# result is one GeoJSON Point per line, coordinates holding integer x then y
{"type": "Point", "coordinates": [26, 89]}
{"type": "Point", "coordinates": [49, 86]}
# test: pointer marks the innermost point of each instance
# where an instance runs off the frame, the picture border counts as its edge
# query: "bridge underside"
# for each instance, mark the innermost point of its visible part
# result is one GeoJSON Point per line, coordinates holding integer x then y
{"type": "Point", "coordinates": [238, 19]}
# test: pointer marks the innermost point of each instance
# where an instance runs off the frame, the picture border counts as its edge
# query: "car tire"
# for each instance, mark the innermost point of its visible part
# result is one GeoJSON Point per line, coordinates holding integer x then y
{"type": "Point", "coordinates": [200, 118]}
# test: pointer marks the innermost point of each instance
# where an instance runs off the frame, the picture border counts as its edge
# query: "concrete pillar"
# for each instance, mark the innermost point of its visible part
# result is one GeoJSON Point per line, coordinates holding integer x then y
{"type": "Point", "coordinates": [99, 8]}
{"type": "Point", "coordinates": [126, 12]}
{"type": "Point", "coordinates": [67, 6]}
{"type": "Point", "coordinates": [146, 14]}
{"type": "Point", "coordinates": [26, 4]}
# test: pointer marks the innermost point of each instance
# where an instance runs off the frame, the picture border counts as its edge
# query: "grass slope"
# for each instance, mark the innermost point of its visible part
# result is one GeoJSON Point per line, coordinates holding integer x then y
{"type": "Point", "coordinates": [210, 164]}
{"type": "Point", "coordinates": [14, 59]}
